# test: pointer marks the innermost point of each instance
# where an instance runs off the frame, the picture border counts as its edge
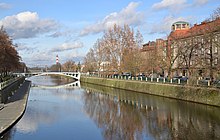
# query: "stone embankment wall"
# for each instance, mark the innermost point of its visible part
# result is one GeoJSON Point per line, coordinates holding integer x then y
{"type": "Point", "coordinates": [209, 96]}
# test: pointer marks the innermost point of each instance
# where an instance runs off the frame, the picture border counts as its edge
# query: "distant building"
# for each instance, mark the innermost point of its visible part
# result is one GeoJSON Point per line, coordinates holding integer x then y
{"type": "Point", "coordinates": [199, 44]}
{"type": "Point", "coordinates": [154, 53]}
{"type": "Point", "coordinates": [180, 25]}
{"type": "Point", "coordinates": [195, 48]}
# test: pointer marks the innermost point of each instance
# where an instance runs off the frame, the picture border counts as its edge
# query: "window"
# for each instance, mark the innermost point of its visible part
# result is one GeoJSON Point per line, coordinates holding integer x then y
{"type": "Point", "coordinates": [173, 27]}
{"type": "Point", "coordinates": [178, 26]}
{"type": "Point", "coordinates": [216, 61]}
{"type": "Point", "coordinates": [215, 49]}
{"type": "Point", "coordinates": [202, 50]}
{"type": "Point", "coordinates": [203, 62]}
{"type": "Point", "coordinates": [196, 52]}
{"type": "Point", "coordinates": [183, 25]}
{"type": "Point", "coordinates": [216, 38]}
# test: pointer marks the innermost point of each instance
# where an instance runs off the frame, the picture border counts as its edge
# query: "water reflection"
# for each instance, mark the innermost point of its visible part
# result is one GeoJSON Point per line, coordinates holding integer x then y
{"type": "Point", "coordinates": [96, 112]}
{"type": "Point", "coordinates": [128, 115]}
{"type": "Point", "coordinates": [51, 80]}
{"type": "Point", "coordinates": [74, 84]}
{"type": "Point", "coordinates": [37, 115]}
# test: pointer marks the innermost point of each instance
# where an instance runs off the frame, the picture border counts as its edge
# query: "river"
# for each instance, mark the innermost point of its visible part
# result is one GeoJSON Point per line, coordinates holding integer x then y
{"type": "Point", "coordinates": [87, 111]}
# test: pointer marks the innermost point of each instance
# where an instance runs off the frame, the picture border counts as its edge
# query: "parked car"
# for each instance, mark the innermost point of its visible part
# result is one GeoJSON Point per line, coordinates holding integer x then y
{"type": "Point", "coordinates": [205, 80]}
{"type": "Point", "coordinates": [175, 78]}
{"type": "Point", "coordinates": [216, 82]}
{"type": "Point", "coordinates": [182, 78]}
{"type": "Point", "coordinates": [162, 78]}
{"type": "Point", "coordinates": [141, 75]}
{"type": "Point", "coordinates": [127, 75]}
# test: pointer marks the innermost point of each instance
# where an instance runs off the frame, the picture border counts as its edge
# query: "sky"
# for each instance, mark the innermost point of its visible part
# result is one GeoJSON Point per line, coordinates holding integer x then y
{"type": "Point", "coordinates": [43, 29]}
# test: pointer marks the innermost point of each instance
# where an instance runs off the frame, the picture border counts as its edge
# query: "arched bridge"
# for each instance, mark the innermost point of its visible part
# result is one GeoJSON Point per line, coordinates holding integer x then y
{"type": "Point", "coordinates": [74, 75]}
{"type": "Point", "coordinates": [75, 84]}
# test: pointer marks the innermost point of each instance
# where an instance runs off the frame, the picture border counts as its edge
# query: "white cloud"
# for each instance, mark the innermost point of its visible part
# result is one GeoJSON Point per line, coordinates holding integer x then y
{"type": "Point", "coordinates": [39, 59]}
{"type": "Point", "coordinates": [67, 46]}
{"type": "Point", "coordinates": [173, 4]}
{"type": "Point", "coordinates": [42, 56]}
{"type": "Point", "coordinates": [200, 2]}
{"type": "Point", "coordinates": [23, 48]}
{"type": "Point", "coordinates": [164, 27]}
{"type": "Point", "coordinates": [4, 6]}
{"type": "Point", "coordinates": [27, 25]}
{"type": "Point", "coordinates": [177, 5]}
{"type": "Point", "coordinates": [128, 15]}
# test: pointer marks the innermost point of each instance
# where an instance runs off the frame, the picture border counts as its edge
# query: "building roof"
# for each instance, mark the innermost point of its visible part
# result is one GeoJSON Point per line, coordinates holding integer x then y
{"type": "Point", "coordinates": [200, 29]}
{"type": "Point", "coordinates": [180, 22]}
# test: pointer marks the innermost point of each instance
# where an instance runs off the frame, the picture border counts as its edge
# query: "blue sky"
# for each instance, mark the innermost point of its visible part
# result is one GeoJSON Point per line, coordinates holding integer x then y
{"type": "Point", "coordinates": [44, 28]}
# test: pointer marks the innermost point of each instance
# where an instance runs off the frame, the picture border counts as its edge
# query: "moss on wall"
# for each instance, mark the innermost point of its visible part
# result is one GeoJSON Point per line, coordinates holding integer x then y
{"type": "Point", "coordinates": [210, 96]}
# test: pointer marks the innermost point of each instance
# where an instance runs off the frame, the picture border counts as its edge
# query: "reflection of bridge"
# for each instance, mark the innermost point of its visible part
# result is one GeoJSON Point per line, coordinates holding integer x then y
{"type": "Point", "coordinates": [75, 84]}
{"type": "Point", "coordinates": [74, 75]}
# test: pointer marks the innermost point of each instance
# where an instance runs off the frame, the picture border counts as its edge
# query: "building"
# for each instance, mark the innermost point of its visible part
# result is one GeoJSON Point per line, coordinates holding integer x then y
{"type": "Point", "coordinates": [187, 51]}
{"type": "Point", "coordinates": [194, 50]}
{"type": "Point", "coordinates": [154, 54]}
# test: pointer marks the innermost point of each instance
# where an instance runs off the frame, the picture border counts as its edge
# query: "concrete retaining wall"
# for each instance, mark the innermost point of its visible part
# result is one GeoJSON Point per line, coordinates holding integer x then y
{"type": "Point", "coordinates": [210, 96]}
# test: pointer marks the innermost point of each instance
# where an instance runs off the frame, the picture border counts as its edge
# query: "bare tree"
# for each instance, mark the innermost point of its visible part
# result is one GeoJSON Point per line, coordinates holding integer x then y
{"type": "Point", "coordinates": [69, 66]}
{"type": "Point", "coordinates": [90, 61]}
{"type": "Point", "coordinates": [173, 53]}
{"type": "Point", "coordinates": [117, 51]}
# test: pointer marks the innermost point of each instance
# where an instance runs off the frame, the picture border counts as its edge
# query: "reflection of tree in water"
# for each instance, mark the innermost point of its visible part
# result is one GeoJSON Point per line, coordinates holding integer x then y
{"type": "Point", "coordinates": [155, 118]}
{"type": "Point", "coordinates": [60, 80]}
{"type": "Point", "coordinates": [117, 121]}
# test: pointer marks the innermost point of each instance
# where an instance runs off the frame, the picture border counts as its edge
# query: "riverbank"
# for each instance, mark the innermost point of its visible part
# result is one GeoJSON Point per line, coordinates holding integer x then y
{"type": "Point", "coordinates": [15, 107]}
{"type": "Point", "coordinates": [203, 95]}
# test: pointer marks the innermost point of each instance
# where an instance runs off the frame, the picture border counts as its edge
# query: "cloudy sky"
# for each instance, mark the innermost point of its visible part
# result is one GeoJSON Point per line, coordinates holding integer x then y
{"type": "Point", "coordinates": [44, 28]}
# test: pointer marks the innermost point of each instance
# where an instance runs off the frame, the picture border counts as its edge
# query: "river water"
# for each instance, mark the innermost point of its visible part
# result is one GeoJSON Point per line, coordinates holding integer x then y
{"type": "Point", "coordinates": [87, 111]}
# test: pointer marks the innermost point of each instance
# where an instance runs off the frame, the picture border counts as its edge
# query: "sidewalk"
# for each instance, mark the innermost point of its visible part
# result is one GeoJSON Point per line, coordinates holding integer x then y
{"type": "Point", "coordinates": [11, 112]}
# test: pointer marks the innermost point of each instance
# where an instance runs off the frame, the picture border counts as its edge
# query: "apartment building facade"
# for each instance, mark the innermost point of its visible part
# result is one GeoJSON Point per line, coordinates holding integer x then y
{"type": "Point", "coordinates": [195, 50]}
{"type": "Point", "coordinates": [187, 51]}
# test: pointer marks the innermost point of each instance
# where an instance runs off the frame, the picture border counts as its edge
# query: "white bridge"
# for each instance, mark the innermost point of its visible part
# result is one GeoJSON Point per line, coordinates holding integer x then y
{"type": "Point", "coordinates": [74, 75]}
{"type": "Point", "coordinates": [75, 84]}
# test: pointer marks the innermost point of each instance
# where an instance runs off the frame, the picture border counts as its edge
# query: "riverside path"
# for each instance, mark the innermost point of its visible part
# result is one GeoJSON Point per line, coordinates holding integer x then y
{"type": "Point", "coordinates": [13, 110]}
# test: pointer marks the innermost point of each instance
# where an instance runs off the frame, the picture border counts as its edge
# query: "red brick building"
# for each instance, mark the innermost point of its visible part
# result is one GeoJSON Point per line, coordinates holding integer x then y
{"type": "Point", "coordinates": [187, 51]}
{"type": "Point", "coordinates": [195, 49]}
{"type": "Point", "coordinates": [154, 54]}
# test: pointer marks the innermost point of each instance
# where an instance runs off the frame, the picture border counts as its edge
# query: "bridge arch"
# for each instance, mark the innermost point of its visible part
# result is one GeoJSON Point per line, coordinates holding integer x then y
{"type": "Point", "coordinates": [74, 75]}
{"type": "Point", "coordinates": [75, 84]}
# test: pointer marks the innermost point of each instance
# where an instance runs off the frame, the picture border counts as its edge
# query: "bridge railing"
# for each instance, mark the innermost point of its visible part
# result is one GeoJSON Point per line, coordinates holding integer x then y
{"type": "Point", "coordinates": [75, 75]}
{"type": "Point", "coordinates": [8, 82]}
{"type": "Point", "coordinates": [158, 80]}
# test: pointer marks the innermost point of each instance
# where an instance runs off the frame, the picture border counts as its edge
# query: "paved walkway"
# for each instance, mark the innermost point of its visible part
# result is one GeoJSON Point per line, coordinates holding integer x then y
{"type": "Point", "coordinates": [11, 112]}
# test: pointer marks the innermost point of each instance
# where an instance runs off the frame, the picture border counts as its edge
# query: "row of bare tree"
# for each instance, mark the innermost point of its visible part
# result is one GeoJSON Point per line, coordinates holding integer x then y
{"type": "Point", "coordinates": [68, 66]}
{"type": "Point", "coordinates": [9, 57]}
{"type": "Point", "coordinates": [117, 51]}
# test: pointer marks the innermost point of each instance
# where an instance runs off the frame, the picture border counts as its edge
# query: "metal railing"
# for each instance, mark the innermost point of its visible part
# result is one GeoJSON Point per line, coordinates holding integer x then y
{"type": "Point", "coordinates": [8, 82]}
{"type": "Point", "coordinates": [159, 80]}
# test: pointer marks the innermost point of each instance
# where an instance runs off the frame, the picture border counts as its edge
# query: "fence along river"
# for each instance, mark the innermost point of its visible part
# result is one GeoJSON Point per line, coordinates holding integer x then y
{"type": "Point", "coordinates": [96, 112]}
